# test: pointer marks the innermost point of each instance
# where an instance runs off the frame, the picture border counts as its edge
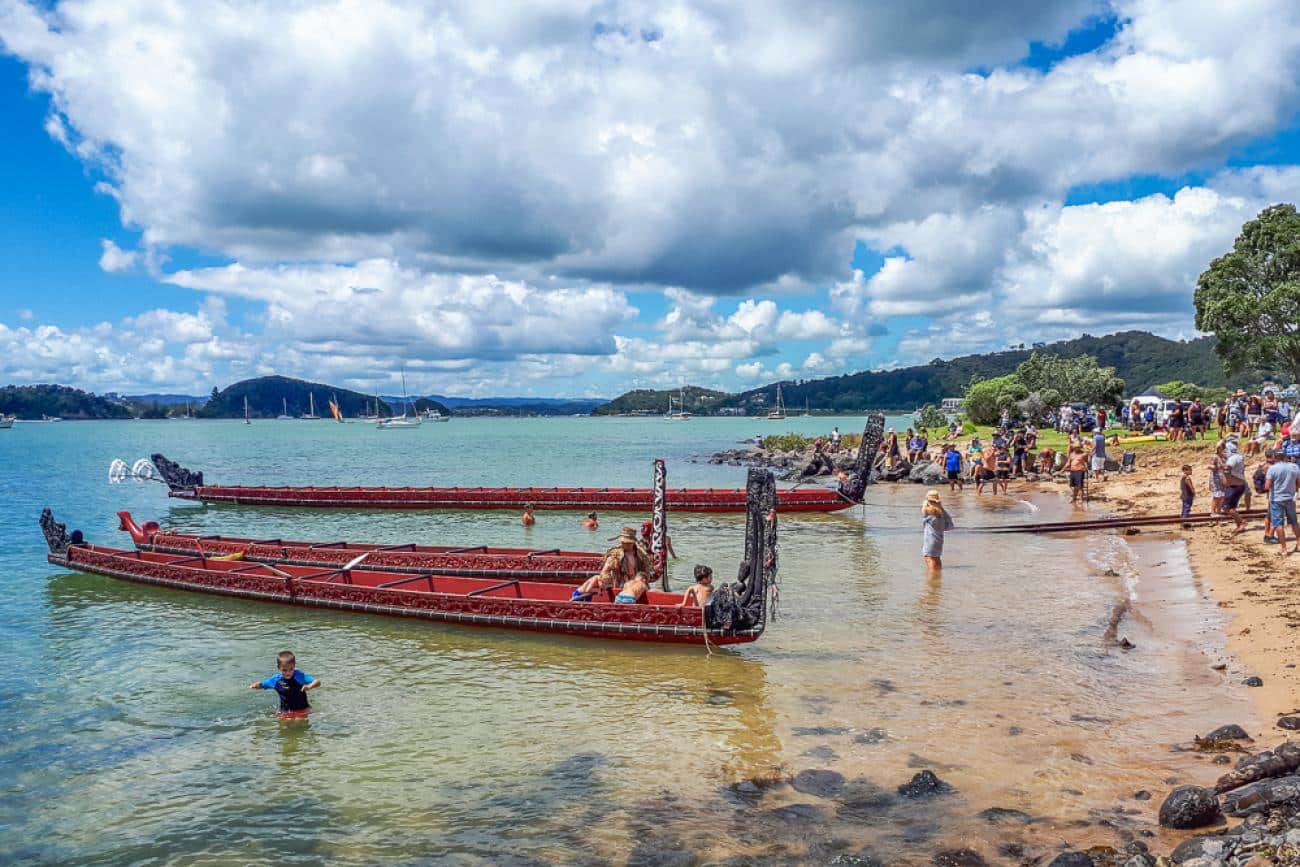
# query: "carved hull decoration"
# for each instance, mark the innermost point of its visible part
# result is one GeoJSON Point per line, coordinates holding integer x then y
{"type": "Point", "coordinates": [188, 485]}
{"type": "Point", "coordinates": [508, 603]}
{"type": "Point", "coordinates": [659, 526]}
{"type": "Point", "coordinates": [864, 466]}
{"type": "Point", "coordinates": [482, 561]}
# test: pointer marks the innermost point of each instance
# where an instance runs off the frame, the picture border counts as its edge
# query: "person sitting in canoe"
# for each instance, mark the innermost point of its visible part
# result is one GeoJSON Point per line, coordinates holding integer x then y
{"type": "Point", "coordinates": [697, 595]}
{"type": "Point", "coordinates": [597, 583]}
{"type": "Point", "coordinates": [629, 556]}
{"type": "Point", "coordinates": [590, 522]}
{"type": "Point", "coordinates": [633, 591]}
{"type": "Point", "coordinates": [290, 684]}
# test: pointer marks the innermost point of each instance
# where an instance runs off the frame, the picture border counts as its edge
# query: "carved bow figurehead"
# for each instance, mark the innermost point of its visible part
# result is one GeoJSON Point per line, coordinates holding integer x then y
{"type": "Point", "coordinates": [742, 605]}
{"type": "Point", "coordinates": [178, 479]}
{"type": "Point", "coordinates": [56, 534]}
{"type": "Point", "coordinates": [864, 466]}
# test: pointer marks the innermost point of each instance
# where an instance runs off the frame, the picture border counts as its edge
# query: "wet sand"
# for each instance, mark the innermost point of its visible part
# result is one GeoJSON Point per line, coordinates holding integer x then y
{"type": "Point", "coordinates": [1251, 580]}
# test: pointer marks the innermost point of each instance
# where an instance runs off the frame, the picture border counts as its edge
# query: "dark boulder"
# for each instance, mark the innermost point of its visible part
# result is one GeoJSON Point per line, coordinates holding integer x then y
{"type": "Point", "coordinates": [1290, 723]}
{"type": "Point", "coordinates": [1210, 846]}
{"type": "Point", "coordinates": [1189, 807]}
{"type": "Point", "coordinates": [959, 858]}
{"type": "Point", "coordinates": [1072, 859]}
{"type": "Point", "coordinates": [924, 785]}
{"type": "Point", "coordinates": [822, 783]}
{"type": "Point", "coordinates": [1230, 732]}
{"type": "Point", "coordinates": [1253, 681]}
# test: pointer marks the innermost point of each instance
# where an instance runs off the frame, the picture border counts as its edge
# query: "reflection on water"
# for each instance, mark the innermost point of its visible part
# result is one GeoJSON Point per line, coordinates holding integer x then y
{"type": "Point", "coordinates": [1002, 674]}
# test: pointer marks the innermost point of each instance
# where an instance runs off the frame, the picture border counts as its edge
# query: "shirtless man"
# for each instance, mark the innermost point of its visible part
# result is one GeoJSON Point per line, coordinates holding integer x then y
{"type": "Point", "coordinates": [590, 522]}
{"type": "Point", "coordinates": [630, 558]}
{"type": "Point", "coordinates": [1076, 464]}
{"type": "Point", "coordinates": [528, 520]}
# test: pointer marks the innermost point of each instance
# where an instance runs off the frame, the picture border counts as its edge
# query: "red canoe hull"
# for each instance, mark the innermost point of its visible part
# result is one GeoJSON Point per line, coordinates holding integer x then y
{"type": "Point", "coordinates": [810, 499]}
{"type": "Point", "coordinates": [519, 605]}
{"type": "Point", "coordinates": [485, 562]}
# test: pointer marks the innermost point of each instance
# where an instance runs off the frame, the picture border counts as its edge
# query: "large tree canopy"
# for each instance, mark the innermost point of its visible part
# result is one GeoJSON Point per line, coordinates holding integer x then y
{"type": "Point", "coordinates": [1250, 297]}
{"type": "Point", "coordinates": [1075, 380]}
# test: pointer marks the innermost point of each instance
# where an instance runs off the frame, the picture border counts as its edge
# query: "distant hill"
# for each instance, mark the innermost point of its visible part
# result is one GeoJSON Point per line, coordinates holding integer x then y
{"type": "Point", "coordinates": [61, 401]}
{"type": "Point", "coordinates": [510, 406]}
{"type": "Point", "coordinates": [1139, 358]}
{"type": "Point", "coordinates": [648, 401]}
{"type": "Point", "coordinates": [193, 400]}
{"type": "Point", "coordinates": [269, 395]}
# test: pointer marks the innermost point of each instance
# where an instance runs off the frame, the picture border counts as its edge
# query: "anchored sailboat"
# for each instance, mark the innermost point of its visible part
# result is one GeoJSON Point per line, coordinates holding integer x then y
{"type": "Point", "coordinates": [311, 413]}
{"type": "Point", "coordinates": [247, 419]}
{"type": "Point", "coordinates": [402, 422]}
{"type": "Point", "coordinates": [681, 414]}
{"type": "Point", "coordinates": [777, 414]}
{"type": "Point", "coordinates": [285, 413]}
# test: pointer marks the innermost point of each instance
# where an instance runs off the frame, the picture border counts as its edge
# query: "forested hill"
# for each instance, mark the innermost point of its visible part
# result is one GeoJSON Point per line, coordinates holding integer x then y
{"type": "Point", "coordinates": [647, 401]}
{"type": "Point", "coordinates": [1140, 359]}
{"type": "Point", "coordinates": [268, 395]}
{"type": "Point", "coordinates": [61, 401]}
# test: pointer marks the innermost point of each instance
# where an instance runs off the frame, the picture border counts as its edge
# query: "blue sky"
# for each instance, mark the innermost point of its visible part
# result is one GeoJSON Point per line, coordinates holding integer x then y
{"type": "Point", "coordinates": [505, 201]}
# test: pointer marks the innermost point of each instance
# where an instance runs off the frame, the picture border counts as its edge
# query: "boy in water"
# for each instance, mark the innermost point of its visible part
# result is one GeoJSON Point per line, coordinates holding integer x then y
{"type": "Point", "coordinates": [590, 522]}
{"type": "Point", "coordinates": [528, 520]}
{"type": "Point", "coordinates": [289, 683]}
{"type": "Point", "coordinates": [698, 593]}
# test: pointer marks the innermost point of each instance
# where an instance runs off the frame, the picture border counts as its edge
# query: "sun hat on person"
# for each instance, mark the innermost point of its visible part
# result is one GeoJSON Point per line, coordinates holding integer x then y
{"type": "Point", "coordinates": [627, 536]}
{"type": "Point", "coordinates": [932, 496]}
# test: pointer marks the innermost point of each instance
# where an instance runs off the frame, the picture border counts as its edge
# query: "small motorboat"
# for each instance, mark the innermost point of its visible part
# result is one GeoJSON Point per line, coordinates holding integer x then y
{"type": "Point", "coordinates": [7, 421]}
{"type": "Point", "coordinates": [736, 612]}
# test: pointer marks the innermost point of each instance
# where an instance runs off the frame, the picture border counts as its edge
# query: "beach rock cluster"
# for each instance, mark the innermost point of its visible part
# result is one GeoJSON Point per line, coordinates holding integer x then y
{"type": "Point", "coordinates": [793, 464]}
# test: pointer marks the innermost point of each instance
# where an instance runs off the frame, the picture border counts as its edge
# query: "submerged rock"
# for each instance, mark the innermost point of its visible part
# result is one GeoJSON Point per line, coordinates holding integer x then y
{"type": "Point", "coordinates": [870, 736]}
{"type": "Point", "coordinates": [1001, 815]}
{"type": "Point", "coordinates": [924, 785]}
{"type": "Point", "coordinates": [1189, 807]}
{"type": "Point", "coordinates": [959, 858]}
{"type": "Point", "coordinates": [822, 783]}
{"type": "Point", "coordinates": [1290, 723]}
{"type": "Point", "coordinates": [1253, 681]}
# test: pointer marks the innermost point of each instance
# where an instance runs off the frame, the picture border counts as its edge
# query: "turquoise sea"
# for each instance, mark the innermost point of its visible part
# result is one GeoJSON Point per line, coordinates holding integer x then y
{"type": "Point", "coordinates": [130, 736]}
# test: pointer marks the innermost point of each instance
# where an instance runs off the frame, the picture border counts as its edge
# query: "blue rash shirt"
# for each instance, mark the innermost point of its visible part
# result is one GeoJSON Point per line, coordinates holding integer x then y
{"type": "Point", "coordinates": [292, 697]}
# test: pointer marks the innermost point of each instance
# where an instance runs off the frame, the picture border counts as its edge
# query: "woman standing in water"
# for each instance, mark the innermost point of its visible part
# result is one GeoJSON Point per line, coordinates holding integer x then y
{"type": "Point", "coordinates": [935, 521]}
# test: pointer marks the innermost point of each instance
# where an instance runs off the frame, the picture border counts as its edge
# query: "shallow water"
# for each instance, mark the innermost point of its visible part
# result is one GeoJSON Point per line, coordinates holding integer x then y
{"type": "Point", "coordinates": [131, 736]}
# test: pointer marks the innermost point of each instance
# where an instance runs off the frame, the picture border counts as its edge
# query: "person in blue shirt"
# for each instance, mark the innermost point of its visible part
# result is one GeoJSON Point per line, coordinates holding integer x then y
{"type": "Point", "coordinates": [289, 683]}
{"type": "Point", "coordinates": [1291, 448]}
{"type": "Point", "coordinates": [952, 467]}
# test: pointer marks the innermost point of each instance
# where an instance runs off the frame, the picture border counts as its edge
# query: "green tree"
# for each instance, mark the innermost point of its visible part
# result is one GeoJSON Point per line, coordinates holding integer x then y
{"type": "Point", "coordinates": [930, 417]}
{"type": "Point", "coordinates": [1079, 379]}
{"type": "Point", "coordinates": [1250, 298]}
{"type": "Point", "coordinates": [1189, 390]}
{"type": "Point", "coordinates": [985, 399]}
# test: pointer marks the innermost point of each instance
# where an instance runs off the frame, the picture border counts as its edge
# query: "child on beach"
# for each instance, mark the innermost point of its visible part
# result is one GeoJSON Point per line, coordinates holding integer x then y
{"type": "Point", "coordinates": [289, 683]}
{"type": "Point", "coordinates": [935, 521]}
{"type": "Point", "coordinates": [1187, 490]}
{"type": "Point", "coordinates": [698, 593]}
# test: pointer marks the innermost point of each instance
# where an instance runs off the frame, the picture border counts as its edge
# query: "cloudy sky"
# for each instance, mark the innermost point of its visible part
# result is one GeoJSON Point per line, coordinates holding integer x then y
{"type": "Point", "coordinates": [569, 198]}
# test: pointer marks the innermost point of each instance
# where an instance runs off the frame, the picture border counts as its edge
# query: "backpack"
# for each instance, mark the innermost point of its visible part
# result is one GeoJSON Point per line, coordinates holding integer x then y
{"type": "Point", "coordinates": [1261, 472]}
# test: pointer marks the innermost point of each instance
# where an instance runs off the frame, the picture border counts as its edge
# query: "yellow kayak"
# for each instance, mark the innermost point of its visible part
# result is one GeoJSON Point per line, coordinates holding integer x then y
{"type": "Point", "coordinates": [1144, 438]}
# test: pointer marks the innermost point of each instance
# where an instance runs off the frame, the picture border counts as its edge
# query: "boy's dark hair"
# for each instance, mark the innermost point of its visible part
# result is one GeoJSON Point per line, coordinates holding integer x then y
{"type": "Point", "coordinates": [1187, 468]}
{"type": "Point", "coordinates": [702, 572]}
{"type": "Point", "coordinates": [286, 655]}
